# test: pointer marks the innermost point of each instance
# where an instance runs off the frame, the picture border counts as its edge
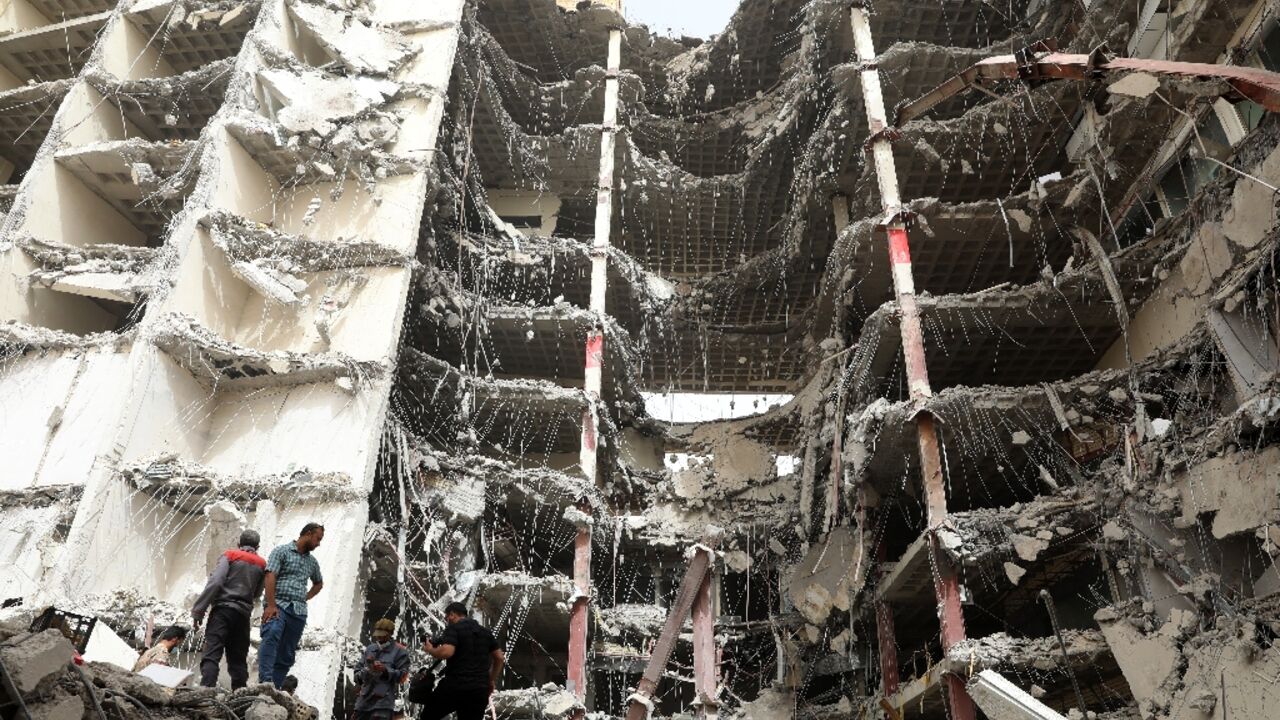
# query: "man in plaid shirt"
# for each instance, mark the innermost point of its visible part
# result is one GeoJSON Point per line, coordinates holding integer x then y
{"type": "Point", "coordinates": [289, 568]}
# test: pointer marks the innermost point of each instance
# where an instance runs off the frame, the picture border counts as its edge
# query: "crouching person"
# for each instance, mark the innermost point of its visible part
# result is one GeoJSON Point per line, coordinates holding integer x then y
{"type": "Point", "coordinates": [383, 666]}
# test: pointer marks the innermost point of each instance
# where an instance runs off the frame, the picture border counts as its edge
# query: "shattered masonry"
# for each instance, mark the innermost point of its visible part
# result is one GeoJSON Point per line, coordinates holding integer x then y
{"type": "Point", "coordinates": [269, 262]}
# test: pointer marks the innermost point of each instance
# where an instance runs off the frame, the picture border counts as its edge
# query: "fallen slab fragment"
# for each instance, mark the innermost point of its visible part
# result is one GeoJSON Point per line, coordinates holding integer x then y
{"type": "Point", "coordinates": [37, 661]}
{"type": "Point", "coordinates": [1002, 700]}
{"type": "Point", "coordinates": [829, 575]}
{"type": "Point", "coordinates": [549, 702]}
{"type": "Point", "coordinates": [359, 47]}
{"type": "Point", "coordinates": [314, 102]}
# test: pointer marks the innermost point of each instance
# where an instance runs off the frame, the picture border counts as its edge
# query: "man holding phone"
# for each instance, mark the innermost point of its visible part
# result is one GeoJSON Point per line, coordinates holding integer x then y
{"type": "Point", "coordinates": [383, 665]}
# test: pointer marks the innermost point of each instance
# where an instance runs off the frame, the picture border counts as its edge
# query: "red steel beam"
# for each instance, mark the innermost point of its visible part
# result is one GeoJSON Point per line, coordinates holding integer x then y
{"type": "Point", "coordinates": [705, 667]}
{"type": "Point", "coordinates": [1038, 64]}
{"type": "Point", "coordinates": [887, 639]}
{"type": "Point", "coordinates": [698, 571]}
{"type": "Point", "coordinates": [946, 584]}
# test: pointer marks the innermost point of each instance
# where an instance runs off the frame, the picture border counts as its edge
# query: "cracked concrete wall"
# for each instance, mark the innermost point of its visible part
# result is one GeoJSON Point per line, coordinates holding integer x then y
{"type": "Point", "coordinates": [246, 289]}
{"type": "Point", "coordinates": [1188, 290]}
{"type": "Point", "coordinates": [238, 394]}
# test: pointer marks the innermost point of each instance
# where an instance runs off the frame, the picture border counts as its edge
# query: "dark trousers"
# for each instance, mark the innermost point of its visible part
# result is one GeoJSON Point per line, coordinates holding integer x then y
{"type": "Point", "coordinates": [468, 704]}
{"type": "Point", "coordinates": [228, 630]}
{"type": "Point", "coordinates": [373, 715]}
{"type": "Point", "coordinates": [279, 646]}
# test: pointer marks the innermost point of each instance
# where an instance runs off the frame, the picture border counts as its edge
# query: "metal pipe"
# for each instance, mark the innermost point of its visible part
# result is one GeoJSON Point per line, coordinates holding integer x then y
{"type": "Point", "coordinates": [88, 688]}
{"type": "Point", "coordinates": [1047, 599]}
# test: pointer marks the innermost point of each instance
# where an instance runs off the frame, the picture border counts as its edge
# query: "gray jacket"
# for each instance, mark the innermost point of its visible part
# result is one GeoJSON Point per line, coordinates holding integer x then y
{"type": "Point", "coordinates": [236, 583]}
{"type": "Point", "coordinates": [378, 690]}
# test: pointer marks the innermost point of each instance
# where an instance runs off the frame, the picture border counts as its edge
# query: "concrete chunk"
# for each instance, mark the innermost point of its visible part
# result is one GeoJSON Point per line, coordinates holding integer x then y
{"type": "Point", "coordinates": [1029, 548]}
{"type": "Point", "coordinates": [266, 710]}
{"type": "Point", "coordinates": [1002, 700]}
{"type": "Point", "coordinates": [1014, 572]}
{"type": "Point", "coordinates": [62, 707]}
{"type": "Point", "coordinates": [37, 660]}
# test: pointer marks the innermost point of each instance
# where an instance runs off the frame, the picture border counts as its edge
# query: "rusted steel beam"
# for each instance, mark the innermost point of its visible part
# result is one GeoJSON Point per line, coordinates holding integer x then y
{"type": "Point", "coordinates": [706, 675]}
{"type": "Point", "coordinates": [946, 585]}
{"type": "Point", "coordinates": [578, 614]}
{"type": "Point", "coordinates": [888, 642]}
{"type": "Point", "coordinates": [691, 586]}
{"type": "Point", "coordinates": [1038, 64]}
{"type": "Point", "coordinates": [576, 674]}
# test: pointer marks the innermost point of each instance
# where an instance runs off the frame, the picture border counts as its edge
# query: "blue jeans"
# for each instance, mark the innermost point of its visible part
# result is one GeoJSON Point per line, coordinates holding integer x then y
{"type": "Point", "coordinates": [280, 637]}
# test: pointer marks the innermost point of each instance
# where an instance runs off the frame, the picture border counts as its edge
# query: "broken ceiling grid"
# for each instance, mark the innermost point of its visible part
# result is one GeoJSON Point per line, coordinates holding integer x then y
{"type": "Point", "coordinates": [188, 48]}
{"type": "Point", "coordinates": [26, 115]}
{"type": "Point", "coordinates": [725, 275]}
{"type": "Point", "coordinates": [53, 52]}
{"type": "Point", "coordinates": [59, 10]}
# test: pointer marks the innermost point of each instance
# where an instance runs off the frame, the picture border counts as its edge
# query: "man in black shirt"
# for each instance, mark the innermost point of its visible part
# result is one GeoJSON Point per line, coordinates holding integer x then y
{"type": "Point", "coordinates": [473, 661]}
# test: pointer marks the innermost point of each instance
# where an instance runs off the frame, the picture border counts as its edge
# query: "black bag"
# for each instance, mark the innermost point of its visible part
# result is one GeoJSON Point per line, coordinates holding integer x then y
{"type": "Point", "coordinates": [422, 686]}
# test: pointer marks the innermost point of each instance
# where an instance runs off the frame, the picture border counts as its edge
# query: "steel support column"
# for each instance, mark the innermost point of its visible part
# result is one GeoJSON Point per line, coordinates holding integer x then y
{"type": "Point", "coordinates": [946, 585]}
{"type": "Point", "coordinates": [578, 614]}
{"type": "Point", "coordinates": [706, 675]}
{"type": "Point", "coordinates": [886, 637]}
{"type": "Point", "coordinates": [593, 373]}
{"type": "Point", "coordinates": [640, 704]}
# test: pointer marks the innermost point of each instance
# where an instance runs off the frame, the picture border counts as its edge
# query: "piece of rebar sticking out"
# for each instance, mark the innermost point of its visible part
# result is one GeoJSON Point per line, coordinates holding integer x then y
{"type": "Point", "coordinates": [1047, 599]}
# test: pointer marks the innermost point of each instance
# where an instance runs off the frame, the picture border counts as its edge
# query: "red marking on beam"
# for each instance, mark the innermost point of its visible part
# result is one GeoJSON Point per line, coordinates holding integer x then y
{"type": "Point", "coordinates": [899, 247]}
{"type": "Point", "coordinates": [595, 350]}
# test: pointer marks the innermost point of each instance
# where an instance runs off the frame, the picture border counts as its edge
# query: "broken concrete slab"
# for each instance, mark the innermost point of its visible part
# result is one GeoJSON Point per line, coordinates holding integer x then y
{"type": "Point", "coordinates": [1241, 488]}
{"type": "Point", "coordinates": [61, 707]}
{"type": "Point", "coordinates": [314, 102]}
{"type": "Point", "coordinates": [36, 661]}
{"type": "Point", "coordinates": [1002, 700]}
{"type": "Point", "coordinates": [265, 710]}
{"type": "Point", "coordinates": [1148, 659]}
{"type": "Point", "coordinates": [1003, 652]}
{"type": "Point", "coordinates": [356, 45]}
{"type": "Point", "coordinates": [830, 574]}
{"type": "Point", "coordinates": [548, 701]}
{"type": "Point", "coordinates": [1252, 213]}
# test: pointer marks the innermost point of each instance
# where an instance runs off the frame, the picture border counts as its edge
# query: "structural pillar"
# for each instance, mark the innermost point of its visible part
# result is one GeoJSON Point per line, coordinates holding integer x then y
{"type": "Point", "coordinates": [701, 561]}
{"type": "Point", "coordinates": [578, 614]}
{"type": "Point", "coordinates": [946, 584]}
{"type": "Point", "coordinates": [593, 374]}
{"type": "Point", "coordinates": [706, 676]}
{"type": "Point", "coordinates": [886, 635]}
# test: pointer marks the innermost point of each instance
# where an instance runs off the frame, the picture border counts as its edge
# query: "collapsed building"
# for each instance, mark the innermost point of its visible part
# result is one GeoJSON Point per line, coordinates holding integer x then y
{"type": "Point", "coordinates": [411, 270]}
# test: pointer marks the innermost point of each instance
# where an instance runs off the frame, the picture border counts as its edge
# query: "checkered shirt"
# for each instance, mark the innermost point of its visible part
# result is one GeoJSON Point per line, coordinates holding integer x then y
{"type": "Point", "coordinates": [292, 570]}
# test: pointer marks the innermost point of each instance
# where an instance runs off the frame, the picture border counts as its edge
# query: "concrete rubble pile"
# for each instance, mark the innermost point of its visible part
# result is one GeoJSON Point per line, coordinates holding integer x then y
{"type": "Point", "coordinates": [54, 687]}
{"type": "Point", "coordinates": [1000, 357]}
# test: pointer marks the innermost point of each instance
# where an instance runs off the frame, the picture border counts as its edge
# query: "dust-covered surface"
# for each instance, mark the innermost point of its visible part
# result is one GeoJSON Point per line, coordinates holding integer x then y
{"type": "Point", "coordinates": [346, 261]}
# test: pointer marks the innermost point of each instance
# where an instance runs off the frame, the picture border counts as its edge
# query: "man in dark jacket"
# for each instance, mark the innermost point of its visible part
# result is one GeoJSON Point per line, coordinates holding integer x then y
{"type": "Point", "coordinates": [473, 662]}
{"type": "Point", "coordinates": [232, 590]}
{"type": "Point", "coordinates": [382, 667]}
